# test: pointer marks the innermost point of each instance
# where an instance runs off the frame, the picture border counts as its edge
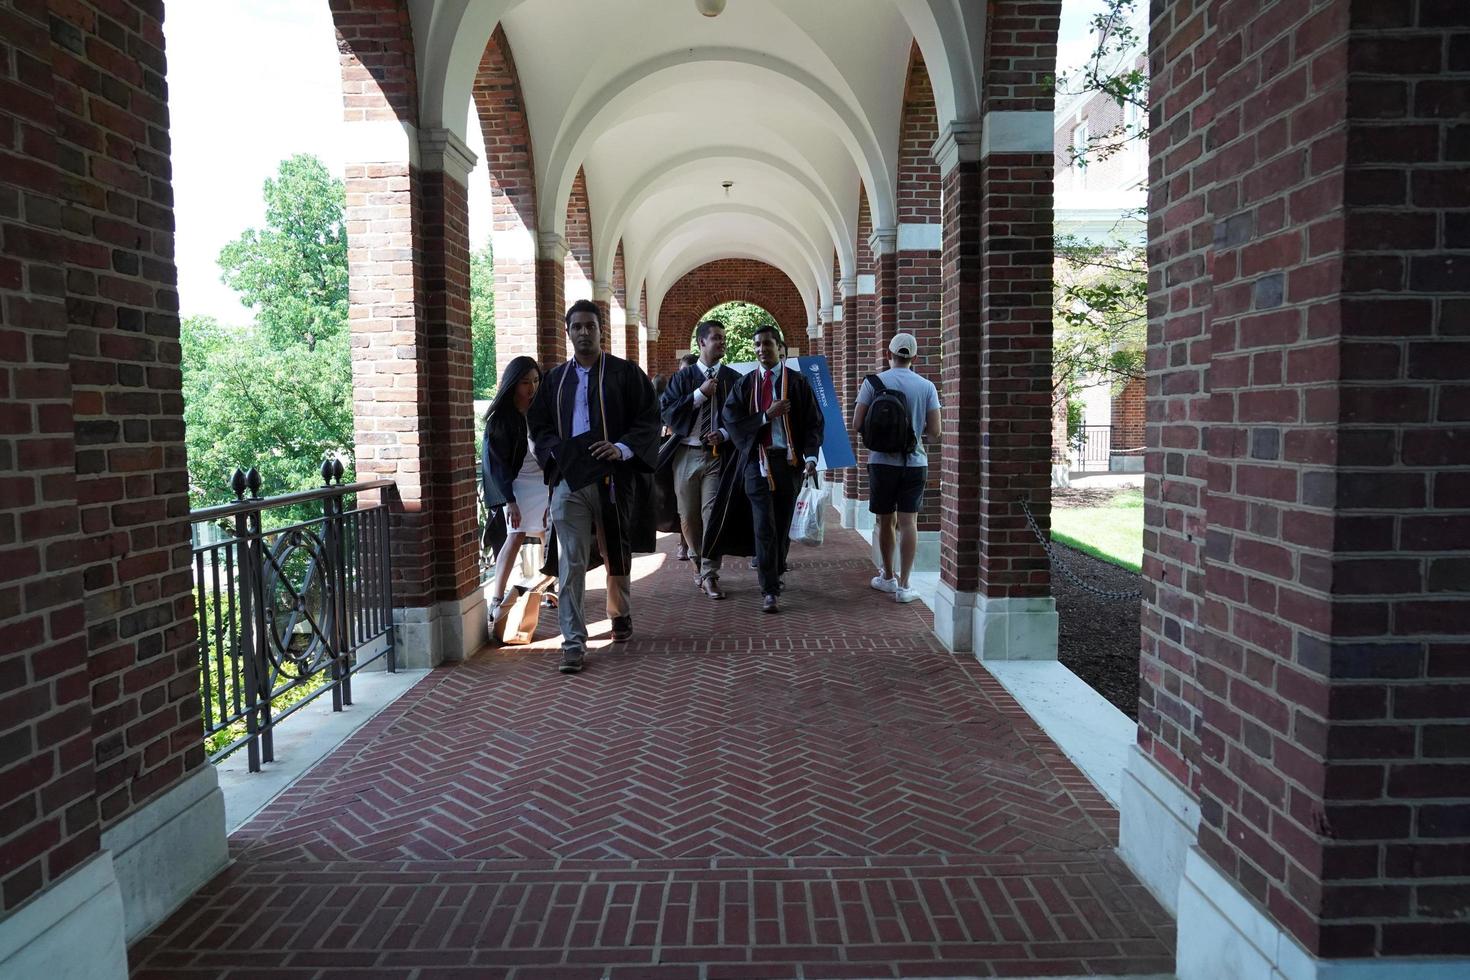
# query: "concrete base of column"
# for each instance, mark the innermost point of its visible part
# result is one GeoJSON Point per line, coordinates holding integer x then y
{"type": "Point", "coordinates": [954, 617]}
{"type": "Point", "coordinates": [1225, 935]}
{"type": "Point", "coordinates": [451, 631]}
{"type": "Point", "coordinates": [168, 849]}
{"type": "Point", "coordinates": [847, 507]}
{"type": "Point", "coordinates": [1159, 822]}
{"type": "Point", "coordinates": [1015, 629]}
{"type": "Point", "coordinates": [74, 929]}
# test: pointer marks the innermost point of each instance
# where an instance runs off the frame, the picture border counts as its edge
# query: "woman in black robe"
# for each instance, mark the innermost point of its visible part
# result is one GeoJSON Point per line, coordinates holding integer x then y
{"type": "Point", "coordinates": [514, 486]}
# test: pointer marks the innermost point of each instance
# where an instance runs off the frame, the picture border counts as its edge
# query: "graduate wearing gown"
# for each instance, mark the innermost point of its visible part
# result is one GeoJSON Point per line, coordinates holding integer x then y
{"type": "Point", "coordinates": [595, 426]}
{"type": "Point", "coordinates": [774, 420]}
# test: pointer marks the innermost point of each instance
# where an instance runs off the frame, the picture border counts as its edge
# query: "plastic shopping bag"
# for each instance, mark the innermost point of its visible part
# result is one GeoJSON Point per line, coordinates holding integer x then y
{"type": "Point", "coordinates": [808, 522]}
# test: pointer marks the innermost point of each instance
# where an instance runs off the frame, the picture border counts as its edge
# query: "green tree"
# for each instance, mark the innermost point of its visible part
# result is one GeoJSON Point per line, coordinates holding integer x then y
{"type": "Point", "coordinates": [482, 321]}
{"type": "Point", "coordinates": [293, 272]}
{"type": "Point", "coordinates": [1100, 321]}
{"type": "Point", "coordinates": [741, 321]}
{"type": "Point", "coordinates": [276, 395]}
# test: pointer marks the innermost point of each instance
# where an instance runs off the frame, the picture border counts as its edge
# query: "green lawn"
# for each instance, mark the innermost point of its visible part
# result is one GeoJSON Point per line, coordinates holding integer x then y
{"type": "Point", "coordinates": [1112, 532]}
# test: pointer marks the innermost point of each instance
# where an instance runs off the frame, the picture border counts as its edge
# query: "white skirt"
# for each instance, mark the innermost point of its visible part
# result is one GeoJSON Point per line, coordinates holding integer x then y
{"type": "Point", "coordinates": [533, 496]}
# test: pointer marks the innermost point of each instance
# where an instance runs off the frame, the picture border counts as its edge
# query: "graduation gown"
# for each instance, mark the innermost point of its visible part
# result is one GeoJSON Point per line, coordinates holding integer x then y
{"type": "Point", "coordinates": [743, 420]}
{"type": "Point", "coordinates": [622, 409]}
{"type": "Point", "coordinates": [729, 532]}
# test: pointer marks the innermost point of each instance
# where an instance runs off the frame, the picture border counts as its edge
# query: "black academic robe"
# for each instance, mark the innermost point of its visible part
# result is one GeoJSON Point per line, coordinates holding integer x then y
{"type": "Point", "coordinates": [742, 419]}
{"type": "Point", "coordinates": [623, 409]}
{"type": "Point", "coordinates": [729, 532]}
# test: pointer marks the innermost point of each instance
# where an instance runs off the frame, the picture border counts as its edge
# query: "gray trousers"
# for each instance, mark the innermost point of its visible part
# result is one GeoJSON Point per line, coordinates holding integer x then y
{"type": "Point", "coordinates": [697, 487]}
{"type": "Point", "coordinates": [577, 516]}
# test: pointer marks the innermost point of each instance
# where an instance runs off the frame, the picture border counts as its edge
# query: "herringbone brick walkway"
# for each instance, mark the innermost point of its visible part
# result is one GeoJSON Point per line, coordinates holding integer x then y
{"type": "Point", "coordinates": [823, 793]}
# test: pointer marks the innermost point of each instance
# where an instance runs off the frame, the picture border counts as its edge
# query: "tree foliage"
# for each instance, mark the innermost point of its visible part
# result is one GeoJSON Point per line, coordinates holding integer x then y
{"type": "Point", "coordinates": [276, 395]}
{"type": "Point", "coordinates": [1117, 67]}
{"type": "Point", "coordinates": [1100, 322]}
{"type": "Point", "coordinates": [482, 321]}
{"type": "Point", "coordinates": [741, 321]}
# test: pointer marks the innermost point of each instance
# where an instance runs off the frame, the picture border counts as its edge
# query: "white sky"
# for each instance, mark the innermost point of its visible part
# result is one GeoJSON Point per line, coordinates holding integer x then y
{"type": "Point", "coordinates": [236, 112]}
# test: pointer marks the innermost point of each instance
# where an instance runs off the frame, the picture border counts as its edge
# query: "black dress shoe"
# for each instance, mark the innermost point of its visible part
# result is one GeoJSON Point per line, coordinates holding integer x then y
{"type": "Point", "coordinates": [622, 629]}
{"type": "Point", "coordinates": [571, 661]}
{"type": "Point", "coordinates": [682, 553]}
{"type": "Point", "coordinates": [711, 588]}
{"type": "Point", "coordinates": [768, 604]}
{"type": "Point", "coordinates": [753, 563]}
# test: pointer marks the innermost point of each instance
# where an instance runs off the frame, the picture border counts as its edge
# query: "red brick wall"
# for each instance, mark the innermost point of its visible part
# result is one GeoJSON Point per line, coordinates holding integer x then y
{"type": "Point", "coordinates": [626, 345]}
{"type": "Point", "coordinates": [1128, 413]}
{"type": "Point", "coordinates": [863, 346]}
{"type": "Point", "coordinates": [919, 273]}
{"type": "Point", "coordinates": [725, 281]}
{"type": "Point", "coordinates": [511, 162]}
{"type": "Point", "coordinates": [379, 77]}
{"type": "Point", "coordinates": [579, 252]}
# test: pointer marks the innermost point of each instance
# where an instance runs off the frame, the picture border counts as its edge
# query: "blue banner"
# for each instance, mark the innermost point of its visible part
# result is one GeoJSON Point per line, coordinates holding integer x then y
{"type": "Point", "coordinates": [836, 451]}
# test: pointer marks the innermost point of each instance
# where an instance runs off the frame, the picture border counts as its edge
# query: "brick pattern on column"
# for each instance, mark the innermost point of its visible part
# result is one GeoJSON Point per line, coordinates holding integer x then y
{"type": "Point", "coordinates": [1330, 659]}
{"type": "Point", "coordinates": [1015, 352]}
{"type": "Point", "coordinates": [379, 77]}
{"type": "Point", "coordinates": [579, 248]}
{"type": "Point", "coordinates": [724, 281]}
{"type": "Point", "coordinates": [454, 467]}
{"type": "Point", "coordinates": [864, 348]}
{"type": "Point", "coordinates": [510, 161]}
{"type": "Point", "coordinates": [1180, 289]}
{"type": "Point", "coordinates": [47, 777]}
{"type": "Point", "coordinates": [919, 273]}
{"type": "Point", "coordinates": [959, 528]}
{"type": "Point", "coordinates": [834, 346]}
{"type": "Point", "coordinates": [1128, 417]}
{"type": "Point", "coordinates": [625, 344]}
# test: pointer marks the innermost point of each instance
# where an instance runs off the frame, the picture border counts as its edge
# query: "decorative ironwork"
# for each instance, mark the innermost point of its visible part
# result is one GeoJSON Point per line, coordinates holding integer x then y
{"type": "Point", "coordinates": [282, 609]}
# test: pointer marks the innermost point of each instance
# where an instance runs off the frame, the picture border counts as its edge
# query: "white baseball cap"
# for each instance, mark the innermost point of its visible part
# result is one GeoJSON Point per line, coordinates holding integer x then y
{"type": "Point", "coordinates": [904, 345]}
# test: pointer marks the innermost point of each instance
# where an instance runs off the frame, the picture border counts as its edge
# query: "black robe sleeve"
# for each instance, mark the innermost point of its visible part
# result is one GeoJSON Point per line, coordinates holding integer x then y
{"type": "Point", "coordinates": [640, 422]}
{"type": "Point", "coordinates": [541, 421]}
{"type": "Point", "coordinates": [739, 419]}
{"type": "Point", "coordinates": [677, 404]}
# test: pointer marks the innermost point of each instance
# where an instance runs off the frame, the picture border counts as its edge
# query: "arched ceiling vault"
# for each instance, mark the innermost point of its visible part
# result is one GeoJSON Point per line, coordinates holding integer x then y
{"type": "Point", "coordinates": [795, 104]}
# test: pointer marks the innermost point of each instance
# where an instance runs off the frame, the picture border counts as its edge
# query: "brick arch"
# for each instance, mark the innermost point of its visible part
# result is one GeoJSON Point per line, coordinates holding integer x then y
{"type": "Point", "coordinates": [511, 162]}
{"type": "Point", "coordinates": [379, 74]}
{"type": "Point", "coordinates": [725, 281]}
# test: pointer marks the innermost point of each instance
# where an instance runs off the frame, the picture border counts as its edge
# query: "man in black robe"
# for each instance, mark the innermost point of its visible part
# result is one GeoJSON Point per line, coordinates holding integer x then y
{"type": "Point", "coordinates": [595, 426]}
{"type": "Point", "coordinates": [773, 418]}
{"type": "Point", "coordinates": [708, 485]}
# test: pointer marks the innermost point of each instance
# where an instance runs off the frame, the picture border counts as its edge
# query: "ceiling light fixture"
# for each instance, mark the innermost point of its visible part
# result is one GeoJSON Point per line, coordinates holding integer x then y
{"type": "Point", "coordinates": [710, 8]}
{"type": "Point", "coordinates": [727, 184]}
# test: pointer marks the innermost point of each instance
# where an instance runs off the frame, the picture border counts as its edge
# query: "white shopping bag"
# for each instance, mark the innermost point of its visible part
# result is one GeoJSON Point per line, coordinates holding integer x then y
{"type": "Point", "coordinates": [808, 522]}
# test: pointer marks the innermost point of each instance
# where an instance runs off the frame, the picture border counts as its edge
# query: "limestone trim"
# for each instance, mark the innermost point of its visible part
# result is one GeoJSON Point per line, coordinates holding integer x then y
{"type": "Point", "coordinates": [1015, 629]}
{"type": "Point", "coordinates": [551, 246]}
{"type": "Point", "coordinates": [883, 241]}
{"type": "Point", "coordinates": [954, 617]}
{"type": "Point", "coordinates": [167, 849]}
{"type": "Point", "coordinates": [73, 929]}
{"type": "Point", "coordinates": [443, 152]}
{"type": "Point", "coordinates": [921, 237]}
{"type": "Point", "coordinates": [1158, 823]}
{"type": "Point", "coordinates": [1017, 132]}
{"type": "Point", "coordinates": [959, 142]}
{"type": "Point", "coordinates": [867, 285]}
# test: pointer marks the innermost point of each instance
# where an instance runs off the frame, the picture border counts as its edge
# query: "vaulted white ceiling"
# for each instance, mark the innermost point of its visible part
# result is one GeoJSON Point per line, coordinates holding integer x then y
{"type": "Point", "coordinates": [796, 103]}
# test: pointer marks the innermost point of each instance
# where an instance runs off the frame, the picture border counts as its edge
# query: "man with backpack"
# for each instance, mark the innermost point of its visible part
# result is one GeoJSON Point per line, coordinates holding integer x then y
{"type": "Point", "coordinates": [896, 410]}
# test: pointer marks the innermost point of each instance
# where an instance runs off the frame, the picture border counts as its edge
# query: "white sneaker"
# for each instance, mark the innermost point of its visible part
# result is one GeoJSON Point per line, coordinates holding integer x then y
{"type": "Point", "coordinates": [901, 594]}
{"type": "Point", "coordinates": [884, 584]}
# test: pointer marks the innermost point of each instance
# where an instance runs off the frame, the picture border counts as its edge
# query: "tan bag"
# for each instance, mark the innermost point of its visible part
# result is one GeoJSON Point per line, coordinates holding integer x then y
{"type": "Point", "coordinates": [515, 624]}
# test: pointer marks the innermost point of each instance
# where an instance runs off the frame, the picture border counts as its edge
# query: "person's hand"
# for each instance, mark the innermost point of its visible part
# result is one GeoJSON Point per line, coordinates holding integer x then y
{"type": "Point", "coordinates": [605, 451]}
{"type": "Point", "coordinates": [713, 438]}
{"type": "Point", "coordinates": [811, 469]}
{"type": "Point", "coordinates": [708, 388]}
{"type": "Point", "coordinates": [546, 518]}
{"type": "Point", "coordinates": [779, 409]}
{"type": "Point", "coordinates": [513, 514]}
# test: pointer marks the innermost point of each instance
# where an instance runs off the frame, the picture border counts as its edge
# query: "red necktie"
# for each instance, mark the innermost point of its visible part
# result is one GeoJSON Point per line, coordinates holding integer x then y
{"type": "Point", "coordinates": [765, 404]}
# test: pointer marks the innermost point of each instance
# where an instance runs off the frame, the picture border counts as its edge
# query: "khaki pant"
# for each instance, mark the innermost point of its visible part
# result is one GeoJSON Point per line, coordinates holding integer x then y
{"type": "Point", "coordinates": [696, 487]}
{"type": "Point", "coordinates": [577, 516]}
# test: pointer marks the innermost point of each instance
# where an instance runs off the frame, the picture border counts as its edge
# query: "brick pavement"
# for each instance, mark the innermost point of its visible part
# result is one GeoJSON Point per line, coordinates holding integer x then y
{"type": "Point", "coordinates": [824, 793]}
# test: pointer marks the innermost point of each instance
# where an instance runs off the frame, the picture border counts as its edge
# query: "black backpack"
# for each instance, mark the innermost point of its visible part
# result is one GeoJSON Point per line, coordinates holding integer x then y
{"type": "Point", "coordinates": [888, 427]}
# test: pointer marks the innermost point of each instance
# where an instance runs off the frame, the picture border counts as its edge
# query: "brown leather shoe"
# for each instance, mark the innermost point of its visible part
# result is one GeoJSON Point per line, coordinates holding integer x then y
{"type": "Point", "coordinates": [711, 588]}
{"type": "Point", "coordinates": [768, 604]}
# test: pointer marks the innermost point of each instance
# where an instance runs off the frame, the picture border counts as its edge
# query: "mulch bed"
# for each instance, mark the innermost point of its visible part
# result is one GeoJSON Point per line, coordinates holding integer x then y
{"type": "Point", "coordinates": [1099, 637]}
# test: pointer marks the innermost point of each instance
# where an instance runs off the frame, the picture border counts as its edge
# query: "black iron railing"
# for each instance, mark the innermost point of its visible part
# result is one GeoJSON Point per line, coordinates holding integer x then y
{"type": "Point", "coordinates": [1094, 446]}
{"type": "Point", "coordinates": [287, 613]}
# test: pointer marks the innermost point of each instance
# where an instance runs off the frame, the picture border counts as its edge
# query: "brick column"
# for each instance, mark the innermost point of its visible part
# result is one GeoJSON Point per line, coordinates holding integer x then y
{"type": "Point", "coordinates": [845, 342]}
{"type": "Point", "coordinates": [997, 269]}
{"type": "Point", "coordinates": [551, 324]}
{"type": "Point", "coordinates": [1324, 278]}
{"type": "Point", "coordinates": [602, 295]}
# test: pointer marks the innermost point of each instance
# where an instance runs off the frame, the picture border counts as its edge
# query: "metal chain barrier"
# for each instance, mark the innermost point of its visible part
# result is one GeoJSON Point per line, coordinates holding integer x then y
{"type": "Point", "coordinates": [1115, 594]}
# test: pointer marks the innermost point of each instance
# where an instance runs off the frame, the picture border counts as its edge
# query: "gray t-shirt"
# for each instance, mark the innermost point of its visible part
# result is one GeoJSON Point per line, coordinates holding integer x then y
{"type": "Point", "coordinates": [922, 398]}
